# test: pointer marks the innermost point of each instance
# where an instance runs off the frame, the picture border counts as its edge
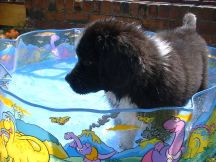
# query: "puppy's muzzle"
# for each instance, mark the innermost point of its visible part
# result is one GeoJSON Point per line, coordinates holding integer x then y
{"type": "Point", "coordinates": [67, 78]}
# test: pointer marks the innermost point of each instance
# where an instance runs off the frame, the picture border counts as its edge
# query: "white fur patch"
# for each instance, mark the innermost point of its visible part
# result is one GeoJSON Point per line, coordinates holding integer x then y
{"type": "Point", "coordinates": [163, 46]}
{"type": "Point", "coordinates": [129, 118]}
{"type": "Point", "coordinates": [139, 26]}
{"type": "Point", "coordinates": [126, 138]}
{"type": "Point", "coordinates": [124, 102]}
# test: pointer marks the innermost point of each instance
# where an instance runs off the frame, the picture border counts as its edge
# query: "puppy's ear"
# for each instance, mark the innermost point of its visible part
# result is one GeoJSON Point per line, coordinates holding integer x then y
{"type": "Point", "coordinates": [119, 60]}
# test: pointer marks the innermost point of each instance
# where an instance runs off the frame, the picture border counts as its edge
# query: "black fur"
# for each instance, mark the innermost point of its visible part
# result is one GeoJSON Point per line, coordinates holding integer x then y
{"type": "Point", "coordinates": [116, 56]}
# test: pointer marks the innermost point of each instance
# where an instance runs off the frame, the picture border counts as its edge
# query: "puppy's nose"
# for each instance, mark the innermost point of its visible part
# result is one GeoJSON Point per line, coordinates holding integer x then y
{"type": "Point", "coordinates": [67, 78]}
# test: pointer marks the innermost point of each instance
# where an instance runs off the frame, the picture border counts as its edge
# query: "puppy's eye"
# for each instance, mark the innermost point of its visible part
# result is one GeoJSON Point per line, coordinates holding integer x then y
{"type": "Point", "coordinates": [87, 63]}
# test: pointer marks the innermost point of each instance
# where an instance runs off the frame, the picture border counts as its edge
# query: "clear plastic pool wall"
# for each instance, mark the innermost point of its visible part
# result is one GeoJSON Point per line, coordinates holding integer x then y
{"type": "Point", "coordinates": [42, 119]}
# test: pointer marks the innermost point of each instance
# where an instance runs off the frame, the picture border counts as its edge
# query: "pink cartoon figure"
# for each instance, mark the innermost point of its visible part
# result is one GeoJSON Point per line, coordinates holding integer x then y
{"type": "Point", "coordinates": [163, 152]}
{"type": "Point", "coordinates": [58, 51]}
{"type": "Point", "coordinates": [89, 152]}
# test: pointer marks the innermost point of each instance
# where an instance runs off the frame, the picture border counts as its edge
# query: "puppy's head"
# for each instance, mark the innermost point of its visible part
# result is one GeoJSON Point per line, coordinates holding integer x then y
{"type": "Point", "coordinates": [108, 57]}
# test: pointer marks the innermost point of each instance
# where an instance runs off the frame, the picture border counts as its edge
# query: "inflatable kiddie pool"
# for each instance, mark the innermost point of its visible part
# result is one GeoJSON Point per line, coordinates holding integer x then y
{"type": "Point", "coordinates": [42, 120]}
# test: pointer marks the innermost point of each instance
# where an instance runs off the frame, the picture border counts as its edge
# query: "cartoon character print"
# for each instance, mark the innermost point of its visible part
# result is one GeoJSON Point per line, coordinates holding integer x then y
{"type": "Point", "coordinates": [90, 153]}
{"type": "Point", "coordinates": [21, 147]}
{"type": "Point", "coordinates": [163, 152]}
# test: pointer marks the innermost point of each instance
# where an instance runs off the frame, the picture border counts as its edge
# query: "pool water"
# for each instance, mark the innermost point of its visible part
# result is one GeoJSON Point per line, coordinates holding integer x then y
{"type": "Point", "coordinates": [44, 84]}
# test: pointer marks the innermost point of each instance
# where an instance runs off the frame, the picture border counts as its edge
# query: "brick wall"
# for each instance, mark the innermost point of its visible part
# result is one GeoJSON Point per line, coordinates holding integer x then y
{"type": "Point", "coordinates": [153, 16]}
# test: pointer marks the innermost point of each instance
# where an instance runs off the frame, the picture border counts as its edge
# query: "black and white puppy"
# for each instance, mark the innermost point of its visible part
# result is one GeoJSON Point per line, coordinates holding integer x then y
{"type": "Point", "coordinates": [138, 71]}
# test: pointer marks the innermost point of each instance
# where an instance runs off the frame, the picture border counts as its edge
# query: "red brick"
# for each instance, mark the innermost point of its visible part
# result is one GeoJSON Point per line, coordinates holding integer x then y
{"type": "Point", "coordinates": [69, 25]}
{"type": "Point", "coordinates": [153, 18]}
{"type": "Point", "coordinates": [52, 6]}
{"type": "Point", "coordinates": [38, 24]}
{"type": "Point", "coordinates": [163, 11]}
{"type": "Point", "coordinates": [36, 4]}
{"type": "Point", "coordinates": [213, 42]}
{"type": "Point", "coordinates": [44, 4]}
{"type": "Point", "coordinates": [208, 14]}
{"type": "Point", "coordinates": [77, 16]}
{"type": "Point", "coordinates": [206, 36]}
{"type": "Point", "coordinates": [174, 12]}
{"type": "Point", "coordinates": [211, 39]}
{"type": "Point", "coordinates": [155, 24]}
{"type": "Point", "coordinates": [214, 16]}
{"type": "Point", "coordinates": [60, 16]}
{"type": "Point", "coordinates": [36, 14]}
{"type": "Point", "coordinates": [96, 6]}
{"type": "Point", "coordinates": [57, 25]}
{"type": "Point", "coordinates": [124, 8]}
{"type": "Point", "coordinates": [134, 9]}
{"type": "Point", "coordinates": [60, 25]}
{"type": "Point", "coordinates": [87, 6]}
{"type": "Point", "coordinates": [69, 15]}
{"type": "Point", "coordinates": [50, 16]}
{"type": "Point", "coordinates": [178, 12]}
{"type": "Point", "coordinates": [153, 10]}
{"type": "Point", "coordinates": [204, 13]}
{"type": "Point", "coordinates": [142, 10]}
{"type": "Point", "coordinates": [69, 5]}
{"type": "Point", "coordinates": [96, 17]}
{"type": "Point", "coordinates": [106, 7]}
{"type": "Point", "coordinates": [206, 27]}
{"type": "Point", "coordinates": [78, 5]}
{"type": "Point", "coordinates": [59, 5]}
{"type": "Point", "coordinates": [116, 8]}
{"type": "Point", "coordinates": [28, 4]}
{"type": "Point", "coordinates": [175, 23]}
{"type": "Point", "coordinates": [165, 24]}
